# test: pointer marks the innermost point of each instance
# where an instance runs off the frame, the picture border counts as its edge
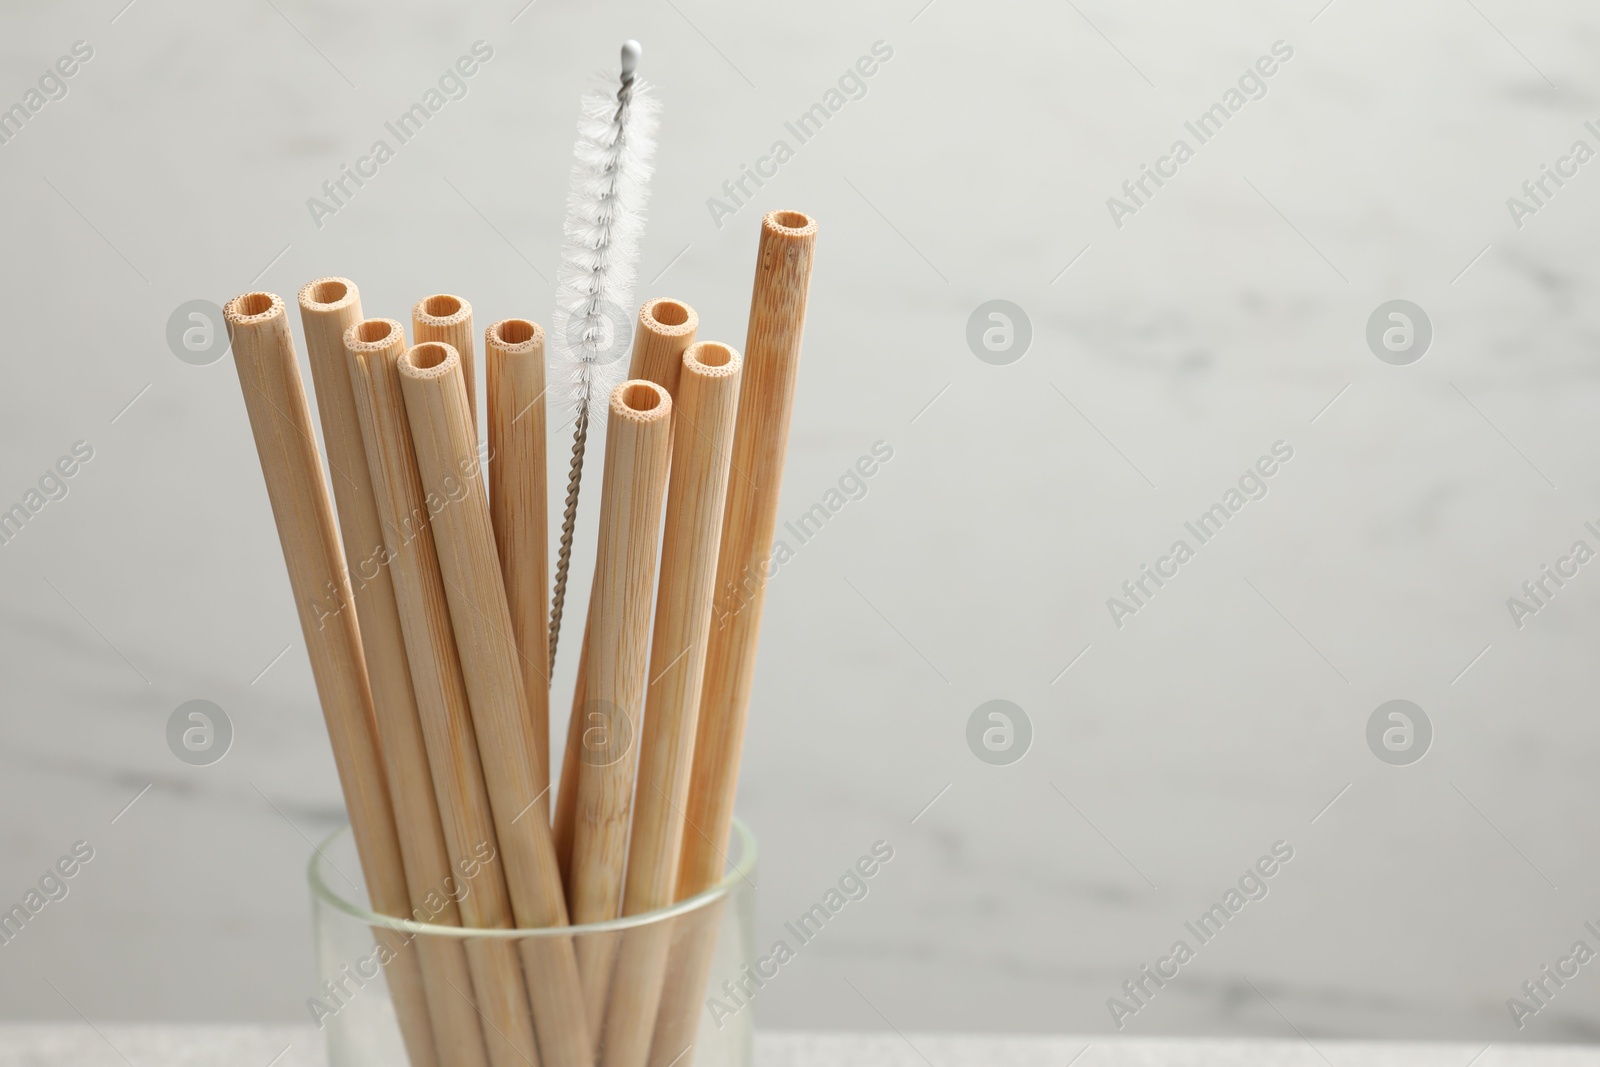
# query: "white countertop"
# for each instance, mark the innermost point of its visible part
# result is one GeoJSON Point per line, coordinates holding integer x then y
{"type": "Point", "coordinates": [52, 1044]}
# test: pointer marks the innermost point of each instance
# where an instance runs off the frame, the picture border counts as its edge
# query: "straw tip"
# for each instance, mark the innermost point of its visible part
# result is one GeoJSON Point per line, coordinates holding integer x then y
{"type": "Point", "coordinates": [251, 308]}
{"type": "Point", "coordinates": [373, 335]}
{"type": "Point", "coordinates": [712, 359]}
{"type": "Point", "coordinates": [514, 336]}
{"type": "Point", "coordinates": [429, 360]}
{"type": "Point", "coordinates": [441, 309]}
{"type": "Point", "coordinates": [789, 223]}
{"type": "Point", "coordinates": [666, 317]}
{"type": "Point", "coordinates": [328, 294]}
{"type": "Point", "coordinates": [641, 401]}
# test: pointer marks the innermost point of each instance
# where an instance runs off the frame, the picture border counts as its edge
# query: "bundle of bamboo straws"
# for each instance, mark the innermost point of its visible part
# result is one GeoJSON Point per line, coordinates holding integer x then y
{"type": "Point", "coordinates": [425, 617]}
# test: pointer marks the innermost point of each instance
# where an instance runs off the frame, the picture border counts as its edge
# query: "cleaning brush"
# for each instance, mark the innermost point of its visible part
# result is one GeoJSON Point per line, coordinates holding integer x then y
{"type": "Point", "coordinates": [594, 288]}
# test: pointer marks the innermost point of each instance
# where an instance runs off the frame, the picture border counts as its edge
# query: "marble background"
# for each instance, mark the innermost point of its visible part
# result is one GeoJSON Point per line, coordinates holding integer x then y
{"type": "Point", "coordinates": [1168, 353]}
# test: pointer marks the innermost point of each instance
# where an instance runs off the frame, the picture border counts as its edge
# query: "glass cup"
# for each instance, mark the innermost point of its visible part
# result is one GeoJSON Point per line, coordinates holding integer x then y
{"type": "Point", "coordinates": [658, 1008]}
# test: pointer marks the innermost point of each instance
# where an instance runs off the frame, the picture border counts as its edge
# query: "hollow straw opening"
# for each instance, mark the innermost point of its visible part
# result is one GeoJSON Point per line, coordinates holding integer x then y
{"type": "Point", "coordinates": [329, 291]}
{"type": "Point", "coordinates": [429, 355]}
{"type": "Point", "coordinates": [442, 306]}
{"type": "Point", "coordinates": [668, 318]}
{"type": "Point", "coordinates": [668, 312]}
{"type": "Point", "coordinates": [796, 223]}
{"type": "Point", "coordinates": [711, 354]}
{"type": "Point", "coordinates": [640, 396]}
{"type": "Point", "coordinates": [374, 331]}
{"type": "Point", "coordinates": [325, 296]}
{"type": "Point", "coordinates": [514, 331]}
{"type": "Point", "coordinates": [441, 309]}
{"type": "Point", "coordinates": [252, 304]}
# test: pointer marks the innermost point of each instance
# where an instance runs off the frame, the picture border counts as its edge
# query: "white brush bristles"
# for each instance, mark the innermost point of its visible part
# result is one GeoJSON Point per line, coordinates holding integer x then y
{"type": "Point", "coordinates": [605, 217]}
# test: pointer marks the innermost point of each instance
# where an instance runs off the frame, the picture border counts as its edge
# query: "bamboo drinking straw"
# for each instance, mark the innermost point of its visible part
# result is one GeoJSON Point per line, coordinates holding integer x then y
{"type": "Point", "coordinates": [638, 450]}
{"type": "Point", "coordinates": [706, 397]}
{"type": "Point", "coordinates": [772, 358]}
{"type": "Point", "coordinates": [666, 330]}
{"type": "Point", "coordinates": [280, 421]}
{"type": "Point", "coordinates": [567, 797]}
{"type": "Point", "coordinates": [447, 318]}
{"type": "Point", "coordinates": [373, 349]}
{"type": "Point", "coordinates": [513, 356]}
{"type": "Point", "coordinates": [327, 307]}
{"type": "Point", "coordinates": [447, 460]}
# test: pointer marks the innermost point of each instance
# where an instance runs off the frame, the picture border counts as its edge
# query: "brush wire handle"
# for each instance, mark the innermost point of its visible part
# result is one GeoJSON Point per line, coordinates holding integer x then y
{"type": "Point", "coordinates": [569, 521]}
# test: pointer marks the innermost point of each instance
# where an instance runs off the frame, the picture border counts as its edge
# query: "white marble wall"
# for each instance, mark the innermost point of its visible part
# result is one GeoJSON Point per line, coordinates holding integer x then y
{"type": "Point", "coordinates": [1223, 316]}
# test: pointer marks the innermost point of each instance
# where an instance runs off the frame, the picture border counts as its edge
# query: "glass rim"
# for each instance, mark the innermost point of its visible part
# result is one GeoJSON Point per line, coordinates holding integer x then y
{"type": "Point", "coordinates": [321, 890]}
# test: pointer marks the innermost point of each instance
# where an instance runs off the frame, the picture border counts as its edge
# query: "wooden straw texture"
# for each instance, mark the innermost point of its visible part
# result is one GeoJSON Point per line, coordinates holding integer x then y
{"type": "Point", "coordinates": [513, 356]}
{"type": "Point", "coordinates": [760, 439]}
{"type": "Point", "coordinates": [373, 349]}
{"type": "Point", "coordinates": [328, 307]}
{"type": "Point", "coordinates": [567, 796]}
{"type": "Point", "coordinates": [689, 962]}
{"type": "Point", "coordinates": [706, 399]}
{"type": "Point", "coordinates": [436, 408]}
{"type": "Point", "coordinates": [666, 329]}
{"type": "Point", "coordinates": [638, 452]}
{"type": "Point", "coordinates": [280, 420]}
{"type": "Point", "coordinates": [447, 318]}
